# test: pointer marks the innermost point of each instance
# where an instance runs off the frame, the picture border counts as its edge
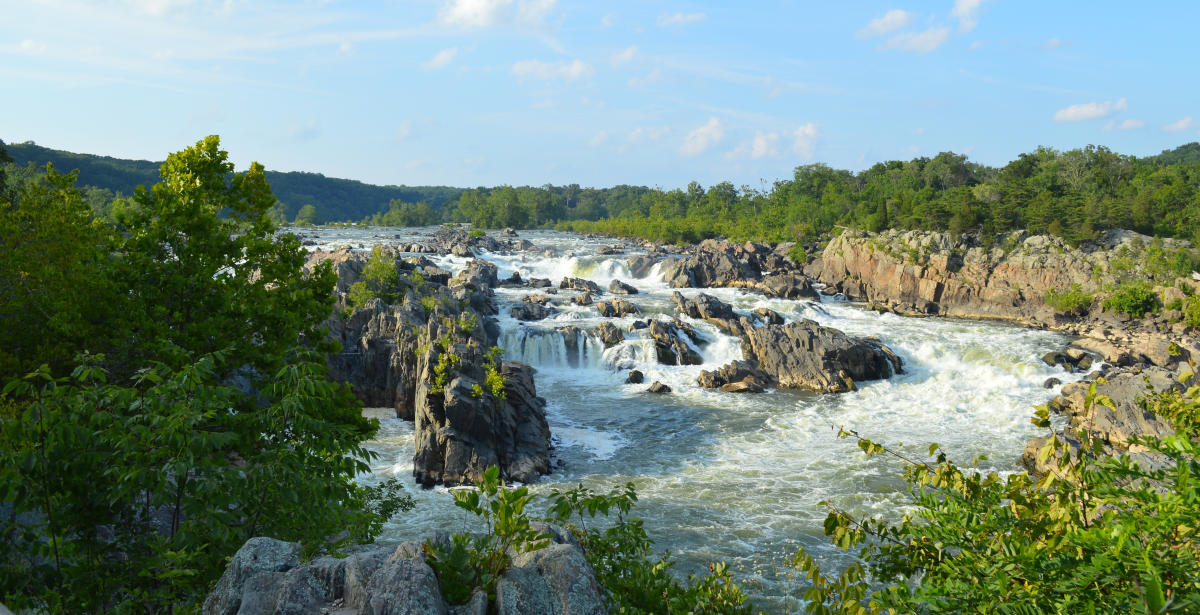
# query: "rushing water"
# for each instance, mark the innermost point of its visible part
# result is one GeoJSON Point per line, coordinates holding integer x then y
{"type": "Point", "coordinates": [732, 477]}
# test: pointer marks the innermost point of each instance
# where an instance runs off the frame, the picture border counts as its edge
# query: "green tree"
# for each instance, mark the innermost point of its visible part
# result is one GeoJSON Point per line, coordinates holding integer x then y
{"type": "Point", "coordinates": [307, 216]}
{"type": "Point", "coordinates": [211, 422]}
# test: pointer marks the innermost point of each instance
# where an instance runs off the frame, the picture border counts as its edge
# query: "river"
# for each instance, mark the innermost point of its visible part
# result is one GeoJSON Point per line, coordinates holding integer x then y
{"type": "Point", "coordinates": [729, 477]}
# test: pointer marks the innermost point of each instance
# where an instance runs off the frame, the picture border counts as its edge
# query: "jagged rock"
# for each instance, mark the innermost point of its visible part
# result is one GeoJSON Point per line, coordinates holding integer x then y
{"type": "Point", "coordinates": [638, 324]}
{"type": "Point", "coordinates": [523, 245]}
{"type": "Point", "coordinates": [786, 286]}
{"type": "Point", "coordinates": [767, 316]}
{"type": "Point", "coordinates": [462, 249]}
{"type": "Point", "coordinates": [609, 250]}
{"type": "Point", "coordinates": [640, 266]}
{"type": "Point", "coordinates": [671, 343]}
{"type": "Point", "coordinates": [259, 556]}
{"type": "Point", "coordinates": [539, 283]}
{"type": "Point", "coordinates": [635, 377]}
{"type": "Point", "coordinates": [658, 388]}
{"type": "Point", "coordinates": [555, 580]}
{"type": "Point", "coordinates": [459, 433]}
{"type": "Point", "coordinates": [710, 309]}
{"type": "Point", "coordinates": [584, 299]}
{"type": "Point", "coordinates": [1125, 388]}
{"type": "Point", "coordinates": [743, 386]}
{"type": "Point", "coordinates": [616, 308]}
{"type": "Point", "coordinates": [618, 287]}
{"type": "Point", "coordinates": [609, 334]}
{"type": "Point", "coordinates": [707, 269]}
{"type": "Point", "coordinates": [538, 299]}
{"type": "Point", "coordinates": [805, 355]}
{"type": "Point", "coordinates": [736, 371]}
{"type": "Point", "coordinates": [1050, 383]}
{"type": "Point", "coordinates": [512, 280]}
{"type": "Point", "coordinates": [508, 232]}
{"type": "Point", "coordinates": [579, 284]}
{"type": "Point", "coordinates": [530, 311]}
{"type": "Point", "coordinates": [404, 586]}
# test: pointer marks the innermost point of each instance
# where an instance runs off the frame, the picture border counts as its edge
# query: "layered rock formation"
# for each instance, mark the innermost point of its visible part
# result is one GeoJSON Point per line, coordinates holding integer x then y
{"type": "Point", "coordinates": [267, 577]}
{"type": "Point", "coordinates": [427, 357]}
{"type": "Point", "coordinates": [805, 355]}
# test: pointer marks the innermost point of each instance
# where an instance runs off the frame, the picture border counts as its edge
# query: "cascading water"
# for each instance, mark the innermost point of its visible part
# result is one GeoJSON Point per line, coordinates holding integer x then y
{"type": "Point", "coordinates": [730, 477]}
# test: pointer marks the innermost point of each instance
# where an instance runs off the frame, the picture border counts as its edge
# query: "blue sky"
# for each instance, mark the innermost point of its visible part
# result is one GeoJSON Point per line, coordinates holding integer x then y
{"type": "Point", "coordinates": [660, 93]}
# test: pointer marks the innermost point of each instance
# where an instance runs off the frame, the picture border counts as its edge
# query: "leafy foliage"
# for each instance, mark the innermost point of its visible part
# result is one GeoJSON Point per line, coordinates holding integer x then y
{"type": "Point", "coordinates": [1096, 534]}
{"type": "Point", "coordinates": [1133, 298]}
{"type": "Point", "coordinates": [201, 419]}
{"type": "Point", "coordinates": [1073, 300]}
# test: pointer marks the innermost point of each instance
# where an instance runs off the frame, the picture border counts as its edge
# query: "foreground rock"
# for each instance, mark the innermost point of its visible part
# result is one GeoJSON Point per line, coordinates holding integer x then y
{"type": "Point", "coordinates": [266, 577]}
{"type": "Point", "coordinates": [1113, 428]}
{"type": "Point", "coordinates": [425, 356]}
{"type": "Point", "coordinates": [673, 342]}
{"type": "Point", "coordinates": [804, 355]}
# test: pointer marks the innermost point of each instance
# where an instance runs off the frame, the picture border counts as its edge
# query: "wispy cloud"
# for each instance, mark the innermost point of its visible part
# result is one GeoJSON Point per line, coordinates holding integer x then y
{"type": "Point", "coordinates": [1130, 124]}
{"type": "Point", "coordinates": [804, 141]}
{"type": "Point", "coordinates": [919, 42]}
{"type": "Point", "coordinates": [624, 56]}
{"type": "Point", "coordinates": [653, 76]}
{"type": "Point", "coordinates": [573, 70]}
{"type": "Point", "coordinates": [888, 22]}
{"type": "Point", "coordinates": [404, 130]}
{"type": "Point", "coordinates": [1053, 43]}
{"type": "Point", "coordinates": [441, 59]}
{"type": "Point", "coordinates": [967, 13]}
{"type": "Point", "coordinates": [680, 19]}
{"type": "Point", "coordinates": [701, 139]}
{"type": "Point", "coordinates": [600, 139]}
{"type": "Point", "coordinates": [1090, 110]}
{"type": "Point", "coordinates": [1179, 126]}
{"type": "Point", "coordinates": [489, 13]}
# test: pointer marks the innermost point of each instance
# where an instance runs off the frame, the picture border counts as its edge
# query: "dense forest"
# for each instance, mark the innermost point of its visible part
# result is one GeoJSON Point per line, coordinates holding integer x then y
{"type": "Point", "coordinates": [1074, 194]}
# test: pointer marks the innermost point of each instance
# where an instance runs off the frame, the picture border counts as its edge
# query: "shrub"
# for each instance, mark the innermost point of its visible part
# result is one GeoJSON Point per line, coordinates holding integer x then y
{"type": "Point", "coordinates": [1071, 301]}
{"type": "Point", "coordinates": [1191, 311]}
{"type": "Point", "coordinates": [1133, 298]}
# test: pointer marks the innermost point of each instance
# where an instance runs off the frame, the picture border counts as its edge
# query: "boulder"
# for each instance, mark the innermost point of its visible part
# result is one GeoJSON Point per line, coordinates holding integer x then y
{"type": "Point", "coordinates": [658, 388]}
{"type": "Point", "coordinates": [538, 283]}
{"type": "Point", "coordinates": [806, 355]}
{"type": "Point", "coordinates": [404, 586]}
{"type": "Point", "coordinates": [671, 343]}
{"type": "Point", "coordinates": [640, 266]}
{"type": "Point", "coordinates": [710, 309]}
{"type": "Point", "coordinates": [579, 284]}
{"type": "Point", "coordinates": [767, 316]}
{"type": "Point", "coordinates": [585, 299]}
{"type": "Point", "coordinates": [530, 311]}
{"type": "Point", "coordinates": [555, 580]}
{"type": "Point", "coordinates": [618, 287]}
{"type": "Point", "coordinates": [609, 334]}
{"type": "Point", "coordinates": [744, 386]}
{"type": "Point", "coordinates": [786, 286]}
{"type": "Point", "coordinates": [616, 308]}
{"type": "Point", "coordinates": [259, 557]}
{"type": "Point", "coordinates": [736, 371]}
{"type": "Point", "coordinates": [635, 377]}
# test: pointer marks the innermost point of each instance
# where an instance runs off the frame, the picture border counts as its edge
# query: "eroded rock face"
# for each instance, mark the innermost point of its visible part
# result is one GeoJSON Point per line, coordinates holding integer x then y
{"type": "Point", "coordinates": [609, 334]}
{"type": "Point", "coordinates": [618, 287]}
{"type": "Point", "coordinates": [616, 308]}
{"type": "Point", "coordinates": [266, 577]}
{"type": "Point", "coordinates": [580, 284]}
{"type": "Point", "coordinates": [712, 310]}
{"type": "Point", "coordinates": [805, 355]}
{"type": "Point", "coordinates": [671, 342]}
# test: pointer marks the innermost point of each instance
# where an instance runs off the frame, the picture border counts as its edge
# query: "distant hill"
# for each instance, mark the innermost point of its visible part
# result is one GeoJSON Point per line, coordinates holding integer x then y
{"type": "Point", "coordinates": [1188, 153]}
{"type": "Point", "coordinates": [334, 198]}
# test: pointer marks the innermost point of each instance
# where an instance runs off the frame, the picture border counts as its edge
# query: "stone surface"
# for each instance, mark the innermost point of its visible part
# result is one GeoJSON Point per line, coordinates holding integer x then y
{"type": "Point", "coordinates": [635, 377]}
{"type": "Point", "coordinates": [580, 284]}
{"type": "Point", "coordinates": [805, 355]}
{"type": "Point", "coordinates": [671, 343]}
{"type": "Point", "coordinates": [658, 388]}
{"type": "Point", "coordinates": [556, 580]}
{"type": "Point", "coordinates": [258, 556]}
{"type": "Point", "coordinates": [618, 287]}
{"type": "Point", "coordinates": [616, 308]}
{"type": "Point", "coordinates": [609, 334]}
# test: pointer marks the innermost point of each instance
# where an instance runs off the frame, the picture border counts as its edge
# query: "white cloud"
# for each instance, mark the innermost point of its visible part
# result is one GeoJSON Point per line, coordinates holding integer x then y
{"type": "Point", "coordinates": [598, 140]}
{"type": "Point", "coordinates": [699, 140]}
{"type": "Point", "coordinates": [888, 22]}
{"type": "Point", "coordinates": [31, 46]}
{"type": "Point", "coordinates": [608, 20]}
{"type": "Point", "coordinates": [624, 56]}
{"type": "Point", "coordinates": [158, 8]}
{"type": "Point", "coordinates": [920, 42]}
{"type": "Point", "coordinates": [488, 13]}
{"type": "Point", "coordinates": [651, 133]}
{"type": "Point", "coordinates": [441, 59]}
{"type": "Point", "coordinates": [764, 145]}
{"type": "Point", "coordinates": [404, 130]}
{"type": "Point", "coordinates": [653, 76]}
{"type": "Point", "coordinates": [917, 131]}
{"type": "Point", "coordinates": [975, 45]}
{"type": "Point", "coordinates": [1053, 43]}
{"type": "Point", "coordinates": [305, 131]}
{"type": "Point", "coordinates": [1126, 125]}
{"type": "Point", "coordinates": [805, 140]}
{"type": "Point", "coordinates": [967, 13]}
{"type": "Point", "coordinates": [573, 70]}
{"type": "Point", "coordinates": [680, 19]}
{"type": "Point", "coordinates": [1090, 111]}
{"type": "Point", "coordinates": [346, 48]}
{"type": "Point", "coordinates": [1179, 126]}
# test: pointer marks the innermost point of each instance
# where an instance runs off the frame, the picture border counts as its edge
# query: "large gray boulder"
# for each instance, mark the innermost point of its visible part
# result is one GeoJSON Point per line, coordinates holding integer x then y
{"type": "Point", "coordinates": [671, 343]}
{"type": "Point", "coordinates": [403, 586]}
{"type": "Point", "coordinates": [556, 580]}
{"type": "Point", "coordinates": [806, 355]}
{"type": "Point", "coordinates": [616, 308]}
{"type": "Point", "coordinates": [711, 310]}
{"type": "Point", "coordinates": [265, 558]}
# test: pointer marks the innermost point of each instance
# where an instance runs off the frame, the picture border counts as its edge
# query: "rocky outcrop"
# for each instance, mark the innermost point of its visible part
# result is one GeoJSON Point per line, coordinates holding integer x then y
{"type": "Point", "coordinates": [618, 287]}
{"type": "Point", "coordinates": [530, 311]}
{"type": "Point", "coordinates": [805, 355]}
{"type": "Point", "coordinates": [739, 376]}
{"type": "Point", "coordinates": [712, 310]}
{"type": "Point", "coordinates": [266, 577]}
{"type": "Point", "coordinates": [715, 263]}
{"type": "Point", "coordinates": [671, 342]}
{"type": "Point", "coordinates": [609, 334]}
{"type": "Point", "coordinates": [658, 388]}
{"type": "Point", "coordinates": [616, 308]}
{"type": "Point", "coordinates": [425, 356]}
{"type": "Point", "coordinates": [580, 284]}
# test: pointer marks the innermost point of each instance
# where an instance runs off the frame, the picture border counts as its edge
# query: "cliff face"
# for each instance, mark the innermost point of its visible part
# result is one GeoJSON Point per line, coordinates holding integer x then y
{"type": "Point", "coordinates": [919, 273]}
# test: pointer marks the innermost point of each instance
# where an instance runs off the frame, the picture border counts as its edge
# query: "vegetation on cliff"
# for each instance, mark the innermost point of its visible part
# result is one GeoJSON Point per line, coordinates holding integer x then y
{"type": "Point", "coordinates": [166, 396]}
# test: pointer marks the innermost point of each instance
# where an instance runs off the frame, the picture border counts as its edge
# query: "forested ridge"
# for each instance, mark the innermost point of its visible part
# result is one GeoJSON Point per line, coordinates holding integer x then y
{"type": "Point", "coordinates": [1074, 194]}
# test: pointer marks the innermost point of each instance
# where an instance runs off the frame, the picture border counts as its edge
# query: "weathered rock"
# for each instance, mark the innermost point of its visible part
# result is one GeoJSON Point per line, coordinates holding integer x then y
{"type": "Point", "coordinates": [785, 286]}
{"type": "Point", "coordinates": [744, 386]}
{"type": "Point", "coordinates": [259, 556]}
{"type": "Point", "coordinates": [1050, 383]}
{"type": "Point", "coordinates": [671, 343]}
{"type": "Point", "coordinates": [805, 355]}
{"type": "Point", "coordinates": [609, 334]}
{"type": "Point", "coordinates": [767, 316]}
{"type": "Point", "coordinates": [530, 311]}
{"type": "Point", "coordinates": [658, 388]}
{"type": "Point", "coordinates": [707, 269]}
{"type": "Point", "coordinates": [640, 266]}
{"type": "Point", "coordinates": [405, 586]}
{"type": "Point", "coordinates": [618, 287]}
{"type": "Point", "coordinates": [635, 377]}
{"type": "Point", "coordinates": [736, 371]}
{"type": "Point", "coordinates": [616, 308]}
{"type": "Point", "coordinates": [555, 580]}
{"type": "Point", "coordinates": [539, 299]}
{"type": "Point", "coordinates": [539, 283]}
{"type": "Point", "coordinates": [710, 309]}
{"type": "Point", "coordinates": [1125, 388]}
{"type": "Point", "coordinates": [579, 284]}
{"type": "Point", "coordinates": [585, 299]}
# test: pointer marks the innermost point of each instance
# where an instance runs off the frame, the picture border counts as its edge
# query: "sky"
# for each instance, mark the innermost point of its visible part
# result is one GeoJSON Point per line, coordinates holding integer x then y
{"type": "Point", "coordinates": [656, 92]}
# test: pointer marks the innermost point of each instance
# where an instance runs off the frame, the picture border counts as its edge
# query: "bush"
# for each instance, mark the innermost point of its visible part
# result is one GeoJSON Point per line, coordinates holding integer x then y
{"type": "Point", "coordinates": [1071, 301]}
{"type": "Point", "coordinates": [1133, 298]}
{"type": "Point", "coordinates": [1191, 311]}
